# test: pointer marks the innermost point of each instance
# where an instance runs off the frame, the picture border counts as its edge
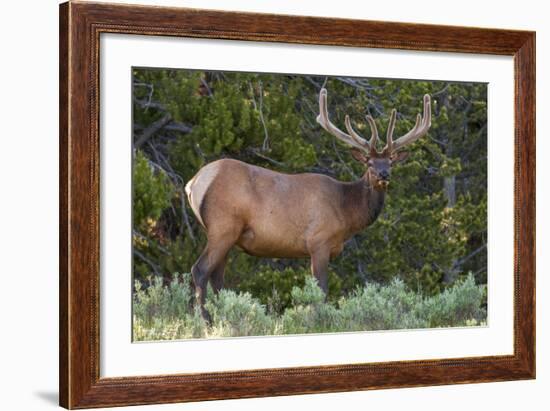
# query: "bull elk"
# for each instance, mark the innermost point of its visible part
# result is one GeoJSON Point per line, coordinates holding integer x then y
{"type": "Point", "coordinates": [272, 214]}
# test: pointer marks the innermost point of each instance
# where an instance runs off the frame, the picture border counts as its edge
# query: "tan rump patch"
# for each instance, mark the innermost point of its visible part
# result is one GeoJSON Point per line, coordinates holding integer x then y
{"type": "Point", "coordinates": [197, 187]}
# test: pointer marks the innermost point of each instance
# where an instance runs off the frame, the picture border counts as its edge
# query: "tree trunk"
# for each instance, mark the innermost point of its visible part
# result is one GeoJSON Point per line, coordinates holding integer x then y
{"type": "Point", "coordinates": [449, 187]}
{"type": "Point", "coordinates": [449, 184]}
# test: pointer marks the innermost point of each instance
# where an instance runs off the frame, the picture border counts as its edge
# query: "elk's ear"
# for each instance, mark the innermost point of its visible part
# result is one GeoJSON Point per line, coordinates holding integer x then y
{"type": "Point", "coordinates": [399, 157]}
{"type": "Point", "coordinates": [359, 155]}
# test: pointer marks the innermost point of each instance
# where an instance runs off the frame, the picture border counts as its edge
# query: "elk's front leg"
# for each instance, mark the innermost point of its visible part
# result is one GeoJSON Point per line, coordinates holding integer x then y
{"type": "Point", "coordinates": [216, 278]}
{"type": "Point", "coordinates": [320, 258]}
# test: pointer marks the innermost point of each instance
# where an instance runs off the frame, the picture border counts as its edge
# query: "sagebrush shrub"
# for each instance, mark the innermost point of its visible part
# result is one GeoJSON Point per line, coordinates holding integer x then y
{"type": "Point", "coordinates": [167, 312]}
{"type": "Point", "coordinates": [454, 306]}
{"type": "Point", "coordinates": [235, 315]}
{"type": "Point", "coordinates": [381, 308]}
{"type": "Point", "coordinates": [309, 313]}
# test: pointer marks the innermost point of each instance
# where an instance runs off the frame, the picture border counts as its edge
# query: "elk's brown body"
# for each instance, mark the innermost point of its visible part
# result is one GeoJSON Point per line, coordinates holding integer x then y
{"type": "Point", "coordinates": [272, 214]}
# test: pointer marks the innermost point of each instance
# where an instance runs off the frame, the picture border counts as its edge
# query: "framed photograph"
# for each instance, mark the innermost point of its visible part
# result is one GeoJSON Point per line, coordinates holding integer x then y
{"type": "Point", "coordinates": [259, 205]}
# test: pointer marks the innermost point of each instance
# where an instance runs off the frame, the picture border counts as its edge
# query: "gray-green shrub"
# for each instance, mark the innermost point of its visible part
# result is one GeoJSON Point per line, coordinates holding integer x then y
{"type": "Point", "coordinates": [167, 312]}
{"type": "Point", "coordinates": [236, 315]}
{"type": "Point", "coordinates": [455, 306]}
{"type": "Point", "coordinates": [381, 308]}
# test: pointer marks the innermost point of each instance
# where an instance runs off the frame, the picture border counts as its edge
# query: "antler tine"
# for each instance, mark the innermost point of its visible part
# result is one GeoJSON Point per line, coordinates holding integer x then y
{"type": "Point", "coordinates": [358, 139]}
{"type": "Point", "coordinates": [420, 128]}
{"type": "Point", "coordinates": [324, 121]}
{"type": "Point", "coordinates": [374, 132]}
{"type": "Point", "coordinates": [389, 133]}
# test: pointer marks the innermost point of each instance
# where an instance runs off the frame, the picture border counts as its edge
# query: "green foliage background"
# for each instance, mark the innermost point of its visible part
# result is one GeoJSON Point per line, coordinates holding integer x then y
{"type": "Point", "coordinates": [433, 228]}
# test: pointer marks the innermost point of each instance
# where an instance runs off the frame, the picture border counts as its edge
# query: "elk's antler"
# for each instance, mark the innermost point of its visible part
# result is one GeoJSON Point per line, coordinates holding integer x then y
{"type": "Point", "coordinates": [421, 127]}
{"type": "Point", "coordinates": [353, 138]}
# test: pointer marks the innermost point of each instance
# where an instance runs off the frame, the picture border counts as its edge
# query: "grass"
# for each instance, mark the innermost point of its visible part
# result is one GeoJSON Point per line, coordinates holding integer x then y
{"type": "Point", "coordinates": [167, 312]}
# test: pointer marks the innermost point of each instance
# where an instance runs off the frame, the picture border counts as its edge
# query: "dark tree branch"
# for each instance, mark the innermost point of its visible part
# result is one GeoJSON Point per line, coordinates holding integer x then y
{"type": "Point", "coordinates": [149, 104]}
{"type": "Point", "coordinates": [142, 257]}
{"type": "Point", "coordinates": [205, 85]}
{"type": "Point", "coordinates": [266, 158]}
{"type": "Point", "coordinates": [443, 90]}
{"type": "Point", "coordinates": [150, 95]}
{"type": "Point", "coordinates": [175, 126]}
{"type": "Point", "coordinates": [450, 275]}
{"type": "Point", "coordinates": [152, 129]}
{"type": "Point", "coordinates": [143, 237]}
{"type": "Point", "coordinates": [179, 183]}
{"type": "Point", "coordinates": [259, 109]}
{"type": "Point", "coordinates": [186, 218]}
{"type": "Point", "coordinates": [469, 256]}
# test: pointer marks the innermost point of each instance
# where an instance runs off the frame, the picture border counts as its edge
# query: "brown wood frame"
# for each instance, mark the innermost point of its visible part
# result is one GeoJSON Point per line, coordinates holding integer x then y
{"type": "Point", "coordinates": [80, 27]}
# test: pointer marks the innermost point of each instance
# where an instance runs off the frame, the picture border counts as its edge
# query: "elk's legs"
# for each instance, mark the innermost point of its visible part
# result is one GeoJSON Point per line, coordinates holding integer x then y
{"type": "Point", "coordinates": [216, 278]}
{"type": "Point", "coordinates": [201, 271]}
{"type": "Point", "coordinates": [210, 266]}
{"type": "Point", "coordinates": [319, 267]}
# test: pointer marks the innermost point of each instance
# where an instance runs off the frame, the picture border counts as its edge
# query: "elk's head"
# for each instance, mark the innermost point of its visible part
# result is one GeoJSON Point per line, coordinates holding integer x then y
{"type": "Point", "coordinates": [378, 163]}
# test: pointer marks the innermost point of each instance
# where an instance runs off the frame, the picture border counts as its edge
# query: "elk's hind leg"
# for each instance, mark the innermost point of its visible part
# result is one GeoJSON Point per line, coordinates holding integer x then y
{"type": "Point", "coordinates": [320, 258]}
{"type": "Point", "coordinates": [200, 272]}
{"type": "Point", "coordinates": [211, 263]}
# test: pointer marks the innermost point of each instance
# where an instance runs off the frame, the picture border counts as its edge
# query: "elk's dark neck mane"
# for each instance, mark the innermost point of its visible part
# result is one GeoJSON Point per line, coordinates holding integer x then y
{"type": "Point", "coordinates": [362, 202]}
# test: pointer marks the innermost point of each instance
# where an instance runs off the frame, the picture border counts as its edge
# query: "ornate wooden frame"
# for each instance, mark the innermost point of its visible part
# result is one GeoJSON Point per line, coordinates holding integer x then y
{"type": "Point", "coordinates": [80, 28]}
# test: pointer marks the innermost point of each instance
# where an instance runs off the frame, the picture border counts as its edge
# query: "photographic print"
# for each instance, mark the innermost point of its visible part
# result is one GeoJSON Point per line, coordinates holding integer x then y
{"type": "Point", "coordinates": [276, 204]}
{"type": "Point", "coordinates": [234, 184]}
